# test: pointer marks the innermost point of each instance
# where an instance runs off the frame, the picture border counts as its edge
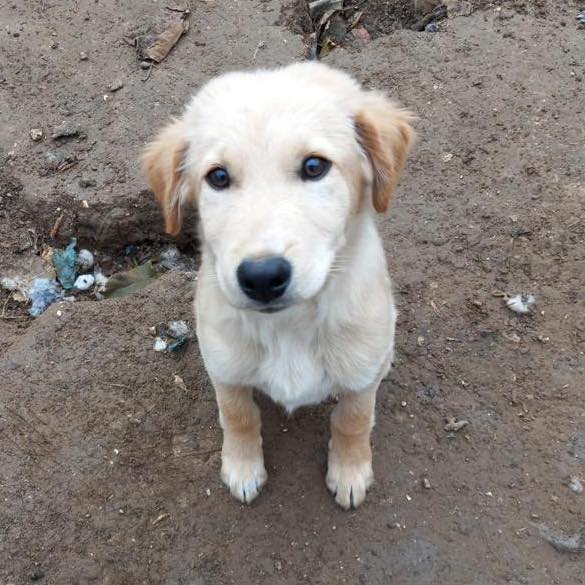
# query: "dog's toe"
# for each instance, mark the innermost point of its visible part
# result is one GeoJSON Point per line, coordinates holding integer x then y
{"type": "Point", "coordinates": [244, 478]}
{"type": "Point", "coordinates": [349, 484]}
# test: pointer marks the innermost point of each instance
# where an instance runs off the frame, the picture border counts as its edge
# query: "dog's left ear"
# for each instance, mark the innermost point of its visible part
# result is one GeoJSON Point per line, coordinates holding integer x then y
{"type": "Point", "coordinates": [386, 135]}
{"type": "Point", "coordinates": [163, 163]}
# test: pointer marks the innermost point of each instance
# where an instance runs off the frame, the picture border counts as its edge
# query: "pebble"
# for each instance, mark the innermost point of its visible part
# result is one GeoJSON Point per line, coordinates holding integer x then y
{"type": "Point", "coordinates": [83, 56]}
{"type": "Point", "coordinates": [145, 65]}
{"type": "Point", "coordinates": [85, 183]}
{"type": "Point", "coordinates": [426, 483]}
{"type": "Point", "coordinates": [576, 486]}
{"type": "Point", "coordinates": [116, 85]}
{"type": "Point", "coordinates": [454, 425]}
{"type": "Point", "coordinates": [36, 134]}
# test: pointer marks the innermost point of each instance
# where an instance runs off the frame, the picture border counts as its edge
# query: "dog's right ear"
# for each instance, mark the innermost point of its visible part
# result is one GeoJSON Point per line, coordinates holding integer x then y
{"type": "Point", "coordinates": [163, 164]}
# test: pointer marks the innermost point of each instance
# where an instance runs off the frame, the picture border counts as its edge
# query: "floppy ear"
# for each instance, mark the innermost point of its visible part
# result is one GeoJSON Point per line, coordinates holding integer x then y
{"type": "Point", "coordinates": [385, 133]}
{"type": "Point", "coordinates": [163, 165]}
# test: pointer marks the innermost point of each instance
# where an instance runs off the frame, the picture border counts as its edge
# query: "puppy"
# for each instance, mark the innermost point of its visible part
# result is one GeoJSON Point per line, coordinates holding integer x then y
{"type": "Point", "coordinates": [287, 168]}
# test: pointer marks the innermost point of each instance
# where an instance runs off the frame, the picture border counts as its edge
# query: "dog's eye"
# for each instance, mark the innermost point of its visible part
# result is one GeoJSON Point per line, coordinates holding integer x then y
{"type": "Point", "coordinates": [314, 168]}
{"type": "Point", "coordinates": [218, 178]}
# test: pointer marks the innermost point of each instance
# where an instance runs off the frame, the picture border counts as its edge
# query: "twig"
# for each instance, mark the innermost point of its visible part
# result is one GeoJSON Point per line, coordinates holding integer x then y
{"type": "Point", "coordinates": [57, 226]}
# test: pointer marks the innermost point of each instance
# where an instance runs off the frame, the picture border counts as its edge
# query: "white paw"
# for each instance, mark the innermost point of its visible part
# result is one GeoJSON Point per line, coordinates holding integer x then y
{"type": "Point", "coordinates": [349, 483]}
{"type": "Point", "coordinates": [244, 477]}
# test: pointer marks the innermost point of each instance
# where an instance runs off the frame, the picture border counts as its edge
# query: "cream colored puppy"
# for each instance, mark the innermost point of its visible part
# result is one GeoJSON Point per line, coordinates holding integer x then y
{"type": "Point", "coordinates": [287, 169]}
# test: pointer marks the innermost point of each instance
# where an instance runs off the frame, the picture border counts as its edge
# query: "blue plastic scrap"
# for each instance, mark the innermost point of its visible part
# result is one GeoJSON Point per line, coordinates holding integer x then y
{"type": "Point", "coordinates": [581, 17]}
{"type": "Point", "coordinates": [43, 293]}
{"type": "Point", "coordinates": [65, 263]}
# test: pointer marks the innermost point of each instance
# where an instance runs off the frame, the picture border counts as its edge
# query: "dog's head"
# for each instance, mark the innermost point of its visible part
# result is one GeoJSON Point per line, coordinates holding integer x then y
{"type": "Point", "coordinates": [277, 163]}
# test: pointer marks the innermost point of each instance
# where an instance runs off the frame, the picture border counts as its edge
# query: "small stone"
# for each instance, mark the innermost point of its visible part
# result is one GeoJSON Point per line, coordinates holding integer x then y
{"type": "Point", "coordinates": [83, 56]}
{"type": "Point", "coordinates": [426, 483]}
{"type": "Point", "coordinates": [85, 183]}
{"type": "Point", "coordinates": [15, 34]}
{"type": "Point", "coordinates": [116, 85]}
{"type": "Point", "coordinates": [36, 134]}
{"type": "Point", "coordinates": [145, 65]}
{"type": "Point", "coordinates": [453, 425]}
{"type": "Point", "coordinates": [576, 486]}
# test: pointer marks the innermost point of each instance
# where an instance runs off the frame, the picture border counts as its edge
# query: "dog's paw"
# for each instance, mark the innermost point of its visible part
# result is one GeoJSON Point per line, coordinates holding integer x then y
{"type": "Point", "coordinates": [349, 483]}
{"type": "Point", "coordinates": [244, 477]}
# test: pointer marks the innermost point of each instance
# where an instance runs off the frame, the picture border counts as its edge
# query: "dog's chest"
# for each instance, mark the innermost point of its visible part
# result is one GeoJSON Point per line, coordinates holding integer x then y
{"type": "Point", "coordinates": [291, 370]}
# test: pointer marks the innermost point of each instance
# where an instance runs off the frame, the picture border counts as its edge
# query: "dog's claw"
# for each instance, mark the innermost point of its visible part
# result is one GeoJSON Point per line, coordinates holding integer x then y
{"type": "Point", "coordinates": [244, 478]}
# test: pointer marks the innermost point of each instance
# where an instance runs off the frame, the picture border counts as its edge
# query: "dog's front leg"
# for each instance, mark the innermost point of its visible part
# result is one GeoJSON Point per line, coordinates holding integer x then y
{"type": "Point", "coordinates": [242, 460]}
{"type": "Point", "coordinates": [349, 472]}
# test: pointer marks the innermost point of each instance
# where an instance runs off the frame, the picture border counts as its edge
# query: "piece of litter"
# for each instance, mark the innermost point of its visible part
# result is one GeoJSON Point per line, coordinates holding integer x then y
{"type": "Point", "coordinates": [175, 335]}
{"type": "Point", "coordinates": [84, 281]}
{"type": "Point", "coordinates": [100, 280]}
{"type": "Point", "coordinates": [36, 134]}
{"type": "Point", "coordinates": [454, 425]}
{"type": "Point", "coordinates": [169, 257]}
{"type": "Point", "coordinates": [126, 283]}
{"type": "Point", "coordinates": [408, 498]}
{"type": "Point", "coordinates": [65, 262]}
{"type": "Point", "coordinates": [563, 542]}
{"type": "Point", "coordinates": [178, 328]}
{"type": "Point", "coordinates": [432, 27]}
{"type": "Point", "coordinates": [85, 260]}
{"type": "Point", "coordinates": [581, 17]}
{"type": "Point", "coordinates": [43, 293]}
{"type": "Point", "coordinates": [426, 483]}
{"type": "Point", "coordinates": [447, 157]}
{"type": "Point", "coordinates": [576, 486]}
{"type": "Point", "coordinates": [522, 303]}
{"type": "Point", "coordinates": [208, 491]}
{"type": "Point", "coordinates": [160, 344]}
{"type": "Point", "coordinates": [318, 8]}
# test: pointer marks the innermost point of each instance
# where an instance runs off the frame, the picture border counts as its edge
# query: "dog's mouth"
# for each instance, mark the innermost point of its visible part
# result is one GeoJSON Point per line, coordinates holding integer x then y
{"type": "Point", "coordinates": [269, 309]}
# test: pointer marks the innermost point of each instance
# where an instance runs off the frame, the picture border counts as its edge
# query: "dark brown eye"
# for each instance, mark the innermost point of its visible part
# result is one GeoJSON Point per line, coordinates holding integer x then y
{"type": "Point", "coordinates": [314, 168]}
{"type": "Point", "coordinates": [218, 178]}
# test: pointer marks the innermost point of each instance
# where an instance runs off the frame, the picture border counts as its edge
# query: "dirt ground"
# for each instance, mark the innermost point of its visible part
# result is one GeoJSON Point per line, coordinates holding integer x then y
{"type": "Point", "coordinates": [109, 470]}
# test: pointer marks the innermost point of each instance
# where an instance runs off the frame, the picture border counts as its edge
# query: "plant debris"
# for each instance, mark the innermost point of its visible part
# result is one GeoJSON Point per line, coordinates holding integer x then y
{"type": "Point", "coordinates": [155, 47]}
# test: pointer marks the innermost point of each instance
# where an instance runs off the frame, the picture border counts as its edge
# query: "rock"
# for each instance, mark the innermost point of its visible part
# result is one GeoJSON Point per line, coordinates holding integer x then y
{"type": "Point", "coordinates": [576, 486]}
{"type": "Point", "coordinates": [83, 56]}
{"type": "Point", "coordinates": [36, 134]}
{"type": "Point", "coordinates": [116, 85]}
{"type": "Point", "coordinates": [422, 7]}
{"type": "Point", "coordinates": [85, 183]}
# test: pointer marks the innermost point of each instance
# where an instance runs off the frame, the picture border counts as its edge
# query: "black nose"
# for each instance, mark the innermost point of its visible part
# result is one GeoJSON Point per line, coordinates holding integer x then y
{"type": "Point", "coordinates": [266, 279]}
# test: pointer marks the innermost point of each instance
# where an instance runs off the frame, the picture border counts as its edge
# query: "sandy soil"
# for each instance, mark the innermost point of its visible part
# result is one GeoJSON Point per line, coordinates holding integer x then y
{"type": "Point", "coordinates": [109, 469]}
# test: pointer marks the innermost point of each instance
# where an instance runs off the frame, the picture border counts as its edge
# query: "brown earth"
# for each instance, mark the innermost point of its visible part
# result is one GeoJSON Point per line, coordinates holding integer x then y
{"type": "Point", "coordinates": [109, 469]}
